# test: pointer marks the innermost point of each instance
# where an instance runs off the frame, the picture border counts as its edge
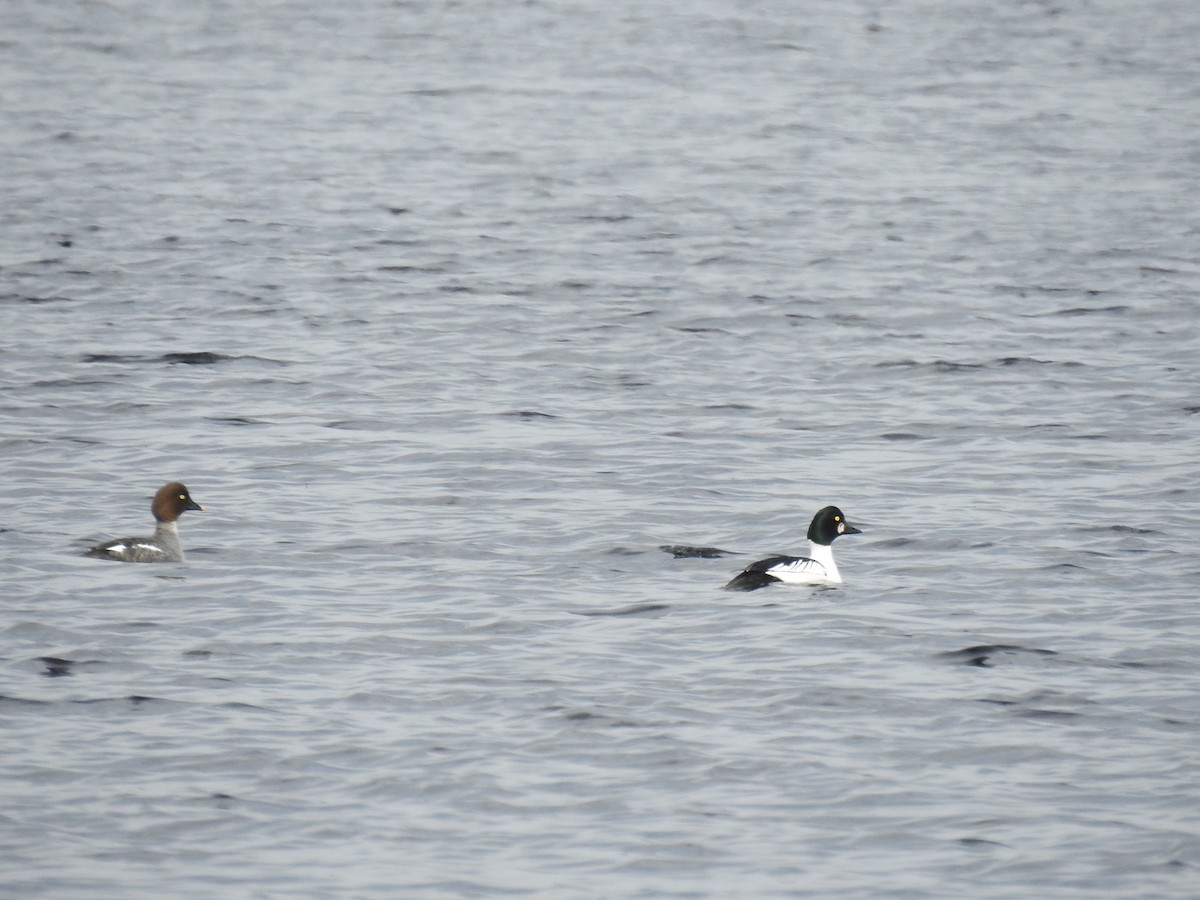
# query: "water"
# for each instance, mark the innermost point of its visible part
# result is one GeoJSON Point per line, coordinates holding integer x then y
{"type": "Point", "coordinates": [454, 314]}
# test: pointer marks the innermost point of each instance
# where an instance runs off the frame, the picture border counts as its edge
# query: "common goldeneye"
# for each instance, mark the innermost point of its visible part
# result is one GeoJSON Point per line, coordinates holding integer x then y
{"type": "Point", "coordinates": [817, 568]}
{"type": "Point", "coordinates": [171, 501]}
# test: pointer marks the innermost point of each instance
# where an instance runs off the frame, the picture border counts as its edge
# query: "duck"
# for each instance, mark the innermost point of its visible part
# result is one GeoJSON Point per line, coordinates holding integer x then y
{"type": "Point", "coordinates": [818, 568]}
{"type": "Point", "coordinates": [170, 502]}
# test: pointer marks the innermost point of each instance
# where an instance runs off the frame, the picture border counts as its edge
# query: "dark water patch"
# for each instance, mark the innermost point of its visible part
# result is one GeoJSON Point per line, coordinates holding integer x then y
{"type": "Point", "coordinates": [1133, 664]}
{"type": "Point", "coordinates": [526, 414]}
{"type": "Point", "coordinates": [1003, 362]}
{"type": "Point", "coordinates": [1118, 309]}
{"type": "Point", "coordinates": [684, 551]}
{"type": "Point", "coordinates": [68, 438]}
{"type": "Point", "coordinates": [236, 420]}
{"type": "Point", "coordinates": [981, 655]}
{"type": "Point", "coordinates": [943, 366]}
{"type": "Point", "coordinates": [1024, 290]}
{"type": "Point", "coordinates": [218, 800]}
{"type": "Point", "coordinates": [1051, 715]}
{"type": "Point", "coordinates": [21, 701]}
{"type": "Point", "coordinates": [947, 366]}
{"type": "Point", "coordinates": [1008, 361]}
{"type": "Point", "coordinates": [116, 358]}
{"type": "Point", "coordinates": [405, 267]}
{"type": "Point", "coordinates": [601, 217]}
{"type": "Point", "coordinates": [71, 382]}
{"type": "Point", "coordinates": [196, 358]}
{"type": "Point", "coordinates": [902, 436]}
{"type": "Point", "coordinates": [624, 551]}
{"type": "Point", "coordinates": [36, 301]}
{"type": "Point", "coordinates": [890, 542]}
{"type": "Point", "coordinates": [1045, 705]}
{"type": "Point", "coordinates": [1123, 529]}
{"type": "Point", "coordinates": [583, 716]}
{"type": "Point", "coordinates": [979, 842]}
{"type": "Point", "coordinates": [634, 609]}
{"type": "Point", "coordinates": [187, 358]}
{"type": "Point", "coordinates": [56, 667]}
{"type": "Point", "coordinates": [135, 701]}
{"type": "Point", "coordinates": [198, 551]}
{"type": "Point", "coordinates": [197, 654]}
{"type": "Point", "coordinates": [465, 90]}
{"type": "Point", "coordinates": [798, 48]}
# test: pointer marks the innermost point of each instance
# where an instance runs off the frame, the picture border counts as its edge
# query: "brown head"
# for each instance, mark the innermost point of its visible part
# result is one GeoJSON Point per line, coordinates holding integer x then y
{"type": "Point", "coordinates": [171, 501]}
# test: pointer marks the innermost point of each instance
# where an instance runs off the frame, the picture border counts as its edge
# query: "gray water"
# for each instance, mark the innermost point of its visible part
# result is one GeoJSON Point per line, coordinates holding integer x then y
{"type": "Point", "coordinates": [452, 314]}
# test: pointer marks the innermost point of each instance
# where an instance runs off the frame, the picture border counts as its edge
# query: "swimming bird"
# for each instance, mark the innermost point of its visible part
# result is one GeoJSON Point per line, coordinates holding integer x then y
{"type": "Point", "coordinates": [816, 568]}
{"type": "Point", "coordinates": [170, 502]}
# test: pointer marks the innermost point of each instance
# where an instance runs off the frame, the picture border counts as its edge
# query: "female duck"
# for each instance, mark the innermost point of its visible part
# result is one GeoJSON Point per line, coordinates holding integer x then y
{"type": "Point", "coordinates": [171, 501]}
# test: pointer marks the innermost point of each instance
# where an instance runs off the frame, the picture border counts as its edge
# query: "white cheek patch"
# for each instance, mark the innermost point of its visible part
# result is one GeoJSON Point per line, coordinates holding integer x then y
{"type": "Point", "coordinates": [841, 527]}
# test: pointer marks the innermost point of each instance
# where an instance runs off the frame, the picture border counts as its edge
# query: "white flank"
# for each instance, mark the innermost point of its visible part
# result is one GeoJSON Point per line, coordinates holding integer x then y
{"type": "Point", "coordinates": [819, 569]}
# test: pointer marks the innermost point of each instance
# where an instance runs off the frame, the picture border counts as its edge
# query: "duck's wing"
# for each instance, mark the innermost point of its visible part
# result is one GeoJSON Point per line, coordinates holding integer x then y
{"type": "Point", "coordinates": [773, 570]}
{"type": "Point", "coordinates": [799, 569]}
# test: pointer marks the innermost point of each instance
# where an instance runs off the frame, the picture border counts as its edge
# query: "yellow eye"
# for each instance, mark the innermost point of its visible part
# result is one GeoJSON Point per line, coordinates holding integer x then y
{"type": "Point", "coordinates": [183, 496]}
{"type": "Point", "coordinates": [837, 518]}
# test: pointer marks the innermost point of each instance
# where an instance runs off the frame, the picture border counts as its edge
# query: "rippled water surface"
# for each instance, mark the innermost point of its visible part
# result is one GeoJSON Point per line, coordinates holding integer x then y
{"type": "Point", "coordinates": [454, 314]}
